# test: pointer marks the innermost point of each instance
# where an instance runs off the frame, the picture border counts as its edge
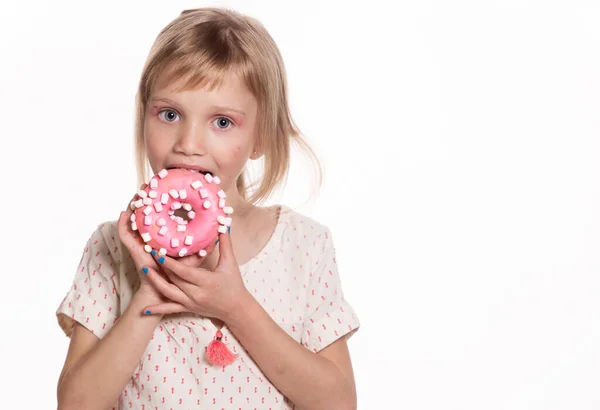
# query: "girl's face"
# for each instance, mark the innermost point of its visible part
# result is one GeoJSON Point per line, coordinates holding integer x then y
{"type": "Point", "coordinates": [209, 130]}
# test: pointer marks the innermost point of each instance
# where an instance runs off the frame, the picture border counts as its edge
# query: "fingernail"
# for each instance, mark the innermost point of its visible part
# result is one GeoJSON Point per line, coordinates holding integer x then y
{"type": "Point", "coordinates": [145, 270]}
{"type": "Point", "coordinates": [229, 229]}
{"type": "Point", "coordinates": [216, 242]}
{"type": "Point", "coordinates": [153, 252]}
{"type": "Point", "coordinates": [148, 312]}
{"type": "Point", "coordinates": [161, 260]}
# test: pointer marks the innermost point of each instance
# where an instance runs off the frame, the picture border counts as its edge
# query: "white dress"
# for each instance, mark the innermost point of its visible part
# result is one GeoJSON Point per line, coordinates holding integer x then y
{"type": "Point", "coordinates": [294, 278]}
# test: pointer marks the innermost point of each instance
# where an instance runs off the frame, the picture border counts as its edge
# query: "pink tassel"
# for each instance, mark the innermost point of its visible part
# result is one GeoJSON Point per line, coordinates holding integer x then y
{"type": "Point", "coordinates": [217, 353]}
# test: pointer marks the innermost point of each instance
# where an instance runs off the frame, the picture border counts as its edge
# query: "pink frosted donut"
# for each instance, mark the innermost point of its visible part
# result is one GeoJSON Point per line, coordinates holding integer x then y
{"type": "Point", "coordinates": [180, 212]}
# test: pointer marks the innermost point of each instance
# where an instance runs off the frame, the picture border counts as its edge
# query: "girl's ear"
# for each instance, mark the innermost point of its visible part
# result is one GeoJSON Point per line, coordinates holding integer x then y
{"type": "Point", "coordinates": [256, 154]}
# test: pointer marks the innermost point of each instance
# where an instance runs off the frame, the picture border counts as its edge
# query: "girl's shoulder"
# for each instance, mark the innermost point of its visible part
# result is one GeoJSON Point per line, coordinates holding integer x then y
{"type": "Point", "coordinates": [105, 230]}
{"type": "Point", "coordinates": [297, 219]}
{"type": "Point", "coordinates": [101, 288]}
{"type": "Point", "coordinates": [105, 234]}
{"type": "Point", "coordinates": [107, 246]}
{"type": "Point", "coordinates": [299, 227]}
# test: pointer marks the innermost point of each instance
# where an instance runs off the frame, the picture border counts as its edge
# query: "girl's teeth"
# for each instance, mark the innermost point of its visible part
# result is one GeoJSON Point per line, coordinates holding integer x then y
{"type": "Point", "coordinates": [188, 169]}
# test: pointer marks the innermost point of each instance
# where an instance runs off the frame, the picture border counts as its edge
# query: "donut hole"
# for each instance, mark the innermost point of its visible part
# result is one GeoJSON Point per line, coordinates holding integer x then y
{"type": "Point", "coordinates": [183, 214]}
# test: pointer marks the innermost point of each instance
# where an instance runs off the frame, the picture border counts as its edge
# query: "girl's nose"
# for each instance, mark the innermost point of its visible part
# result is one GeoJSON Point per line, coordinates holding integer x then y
{"type": "Point", "coordinates": [191, 141]}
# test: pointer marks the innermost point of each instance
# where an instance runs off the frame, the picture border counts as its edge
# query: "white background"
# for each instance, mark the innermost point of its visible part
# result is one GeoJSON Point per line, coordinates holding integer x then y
{"type": "Point", "coordinates": [460, 141]}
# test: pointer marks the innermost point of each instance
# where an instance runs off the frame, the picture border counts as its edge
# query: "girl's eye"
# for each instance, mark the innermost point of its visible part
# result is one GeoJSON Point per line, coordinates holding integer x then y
{"type": "Point", "coordinates": [168, 115]}
{"type": "Point", "coordinates": [222, 123]}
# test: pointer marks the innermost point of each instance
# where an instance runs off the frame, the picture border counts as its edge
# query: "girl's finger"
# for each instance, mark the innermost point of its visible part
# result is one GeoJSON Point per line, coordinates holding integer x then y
{"type": "Point", "coordinates": [195, 259]}
{"type": "Point", "coordinates": [133, 243]}
{"type": "Point", "coordinates": [187, 273]}
{"type": "Point", "coordinates": [123, 230]}
{"type": "Point", "coordinates": [182, 284]}
{"type": "Point", "coordinates": [167, 289]}
{"type": "Point", "coordinates": [135, 197]}
{"type": "Point", "coordinates": [226, 256]}
{"type": "Point", "coordinates": [165, 309]}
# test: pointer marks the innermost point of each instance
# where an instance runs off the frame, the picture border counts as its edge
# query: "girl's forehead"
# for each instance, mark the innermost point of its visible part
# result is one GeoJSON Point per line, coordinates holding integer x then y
{"type": "Point", "coordinates": [228, 86]}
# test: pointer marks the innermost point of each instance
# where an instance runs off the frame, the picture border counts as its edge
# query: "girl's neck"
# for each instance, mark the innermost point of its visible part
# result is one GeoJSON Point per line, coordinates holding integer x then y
{"type": "Point", "coordinates": [244, 211]}
{"type": "Point", "coordinates": [240, 206]}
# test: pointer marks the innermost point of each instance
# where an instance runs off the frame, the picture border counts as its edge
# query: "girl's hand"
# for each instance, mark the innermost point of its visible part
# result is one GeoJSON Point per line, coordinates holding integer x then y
{"type": "Point", "coordinates": [195, 260]}
{"type": "Point", "coordinates": [200, 291]}
{"type": "Point", "coordinates": [141, 259]}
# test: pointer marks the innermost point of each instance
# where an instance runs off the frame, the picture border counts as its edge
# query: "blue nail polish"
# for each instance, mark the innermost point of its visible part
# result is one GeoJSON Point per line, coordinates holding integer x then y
{"type": "Point", "coordinates": [229, 229]}
{"type": "Point", "coordinates": [145, 270]}
{"type": "Point", "coordinates": [216, 242]}
{"type": "Point", "coordinates": [161, 260]}
{"type": "Point", "coordinates": [153, 252]}
{"type": "Point", "coordinates": [148, 312]}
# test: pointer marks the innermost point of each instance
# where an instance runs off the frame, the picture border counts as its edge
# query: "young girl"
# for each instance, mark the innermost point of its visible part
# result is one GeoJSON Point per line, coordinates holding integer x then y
{"type": "Point", "coordinates": [212, 96]}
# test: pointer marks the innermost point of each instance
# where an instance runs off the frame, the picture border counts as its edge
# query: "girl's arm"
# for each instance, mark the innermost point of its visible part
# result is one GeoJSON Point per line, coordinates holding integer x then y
{"type": "Point", "coordinates": [311, 381]}
{"type": "Point", "coordinates": [96, 371]}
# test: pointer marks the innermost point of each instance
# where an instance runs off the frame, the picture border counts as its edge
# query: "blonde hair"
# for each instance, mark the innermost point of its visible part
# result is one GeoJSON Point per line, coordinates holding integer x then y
{"type": "Point", "coordinates": [201, 47]}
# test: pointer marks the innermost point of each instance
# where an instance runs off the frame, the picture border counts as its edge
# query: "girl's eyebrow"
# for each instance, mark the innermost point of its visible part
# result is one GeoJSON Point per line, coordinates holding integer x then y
{"type": "Point", "coordinates": [214, 107]}
{"type": "Point", "coordinates": [165, 100]}
{"type": "Point", "coordinates": [223, 108]}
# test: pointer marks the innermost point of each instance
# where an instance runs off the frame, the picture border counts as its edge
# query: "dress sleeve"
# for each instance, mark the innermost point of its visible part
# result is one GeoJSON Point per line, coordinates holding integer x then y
{"type": "Point", "coordinates": [93, 299]}
{"type": "Point", "coordinates": [329, 316]}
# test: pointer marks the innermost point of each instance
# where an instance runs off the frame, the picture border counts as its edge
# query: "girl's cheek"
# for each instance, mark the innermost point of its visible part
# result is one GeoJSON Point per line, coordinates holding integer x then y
{"type": "Point", "coordinates": [235, 153]}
